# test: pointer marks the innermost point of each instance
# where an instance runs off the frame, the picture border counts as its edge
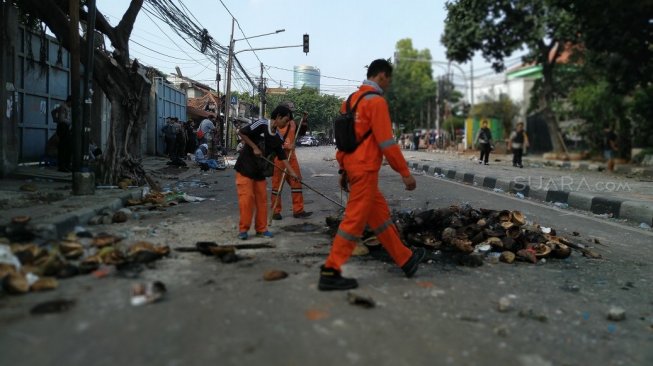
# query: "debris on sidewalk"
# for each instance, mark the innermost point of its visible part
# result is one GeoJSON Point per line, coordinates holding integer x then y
{"type": "Point", "coordinates": [147, 293]}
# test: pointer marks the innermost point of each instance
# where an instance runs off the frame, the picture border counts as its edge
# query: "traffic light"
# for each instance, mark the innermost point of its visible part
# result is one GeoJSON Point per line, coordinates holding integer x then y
{"type": "Point", "coordinates": [305, 44]}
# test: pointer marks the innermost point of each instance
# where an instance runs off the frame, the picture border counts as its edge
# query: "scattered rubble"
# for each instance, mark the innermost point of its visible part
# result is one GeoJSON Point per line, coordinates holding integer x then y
{"type": "Point", "coordinates": [274, 275]}
{"type": "Point", "coordinates": [616, 314]}
{"type": "Point", "coordinates": [360, 300]}
{"type": "Point", "coordinates": [475, 236]}
{"type": "Point", "coordinates": [53, 306]}
{"type": "Point", "coordinates": [30, 266]}
{"type": "Point", "coordinates": [147, 293]}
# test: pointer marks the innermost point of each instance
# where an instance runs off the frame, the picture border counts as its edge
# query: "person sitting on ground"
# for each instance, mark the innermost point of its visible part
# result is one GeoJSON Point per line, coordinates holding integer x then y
{"type": "Point", "coordinates": [201, 158]}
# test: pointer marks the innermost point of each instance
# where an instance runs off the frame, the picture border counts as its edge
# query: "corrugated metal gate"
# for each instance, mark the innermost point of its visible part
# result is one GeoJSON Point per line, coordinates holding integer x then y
{"type": "Point", "coordinates": [170, 102]}
{"type": "Point", "coordinates": [41, 87]}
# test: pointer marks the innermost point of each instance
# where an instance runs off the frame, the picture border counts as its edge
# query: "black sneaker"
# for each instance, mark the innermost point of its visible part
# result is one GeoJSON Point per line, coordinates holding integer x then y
{"type": "Point", "coordinates": [302, 215]}
{"type": "Point", "coordinates": [411, 266]}
{"type": "Point", "coordinates": [277, 216]}
{"type": "Point", "coordinates": [330, 279]}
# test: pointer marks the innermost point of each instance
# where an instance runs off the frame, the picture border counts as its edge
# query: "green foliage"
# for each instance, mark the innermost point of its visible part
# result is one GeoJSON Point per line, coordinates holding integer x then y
{"type": "Point", "coordinates": [453, 123]}
{"type": "Point", "coordinates": [412, 84]}
{"type": "Point", "coordinates": [639, 108]}
{"type": "Point", "coordinates": [321, 108]}
{"type": "Point", "coordinates": [504, 109]}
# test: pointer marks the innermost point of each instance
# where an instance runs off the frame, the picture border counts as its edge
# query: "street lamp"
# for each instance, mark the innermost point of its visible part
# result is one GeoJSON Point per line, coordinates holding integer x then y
{"type": "Point", "coordinates": [227, 99]}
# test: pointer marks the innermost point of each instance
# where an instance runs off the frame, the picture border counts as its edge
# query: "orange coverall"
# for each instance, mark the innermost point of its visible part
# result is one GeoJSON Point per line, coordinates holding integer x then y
{"type": "Point", "coordinates": [366, 205]}
{"type": "Point", "coordinates": [295, 186]}
{"type": "Point", "coordinates": [251, 195]}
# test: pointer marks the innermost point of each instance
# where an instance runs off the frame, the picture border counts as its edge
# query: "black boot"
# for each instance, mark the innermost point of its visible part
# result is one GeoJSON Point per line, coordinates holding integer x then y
{"type": "Point", "coordinates": [330, 279]}
{"type": "Point", "coordinates": [411, 266]}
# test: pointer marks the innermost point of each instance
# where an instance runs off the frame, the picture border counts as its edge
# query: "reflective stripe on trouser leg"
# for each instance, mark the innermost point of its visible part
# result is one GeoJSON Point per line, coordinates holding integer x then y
{"type": "Point", "coordinates": [296, 187]}
{"type": "Point", "coordinates": [363, 188]}
{"type": "Point", "coordinates": [245, 189]}
{"type": "Point", "coordinates": [386, 231]}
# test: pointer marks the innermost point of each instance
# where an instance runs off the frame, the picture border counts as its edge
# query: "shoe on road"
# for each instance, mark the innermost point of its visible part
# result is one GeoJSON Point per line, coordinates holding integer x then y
{"type": "Point", "coordinates": [243, 235]}
{"type": "Point", "coordinates": [331, 279]}
{"type": "Point", "coordinates": [302, 215]}
{"type": "Point", "coordinates": [413, 263]}
{"type": "Point", "coordinates": [264, 234]}
{"type": "Point", "coordinates": [277, 216]}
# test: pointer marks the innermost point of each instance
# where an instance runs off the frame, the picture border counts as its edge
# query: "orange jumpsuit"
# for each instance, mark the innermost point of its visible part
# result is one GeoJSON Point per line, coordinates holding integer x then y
{"type": "Point", "coordinates": [366, 205]}
{"type": "Point", "coordinates": [295, 186]}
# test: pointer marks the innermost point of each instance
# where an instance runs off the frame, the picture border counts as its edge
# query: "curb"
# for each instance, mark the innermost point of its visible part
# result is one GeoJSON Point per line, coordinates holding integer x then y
{"type": "Point", "coordinates": [57, 226]}
{"type": "Point", "coordinates": [598, 167]}
{"type": "Point", "coordinates": [636, 211]}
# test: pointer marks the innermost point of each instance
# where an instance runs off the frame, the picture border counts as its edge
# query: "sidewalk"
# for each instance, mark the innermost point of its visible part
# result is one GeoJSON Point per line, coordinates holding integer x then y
{"type": "Point", "coordinates": [44, 194]}
{"type": "Point", "coordinates": [579, 185]}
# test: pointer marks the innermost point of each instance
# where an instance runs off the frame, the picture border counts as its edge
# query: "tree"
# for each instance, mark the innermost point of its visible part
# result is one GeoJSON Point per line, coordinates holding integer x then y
{"type": "Point", "coordinates": [497, 28]}
{"type": "Point", "coordinates": [124, 81]}
{"type": "Point", "coordinates": [412, 84]}
{"type": "Point", "coordinates": [322, 108]}
{"type": "Point", "coordinates": [504, 109]}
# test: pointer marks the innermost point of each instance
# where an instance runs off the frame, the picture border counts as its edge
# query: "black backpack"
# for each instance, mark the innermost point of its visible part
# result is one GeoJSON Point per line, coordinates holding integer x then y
{"type": "Point", "coordinates": [343, 126]}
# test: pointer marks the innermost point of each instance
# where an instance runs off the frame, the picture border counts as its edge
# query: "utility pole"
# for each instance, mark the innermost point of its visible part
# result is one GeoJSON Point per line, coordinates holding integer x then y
{"type": "Point", "coordinates": [437, 108]}
{"type": "Point", "coordinates": [261, 93]}
{"type": "Point", "coordinates": [88, 78]}
{"type": "Point", "coordinates": [227, 98]}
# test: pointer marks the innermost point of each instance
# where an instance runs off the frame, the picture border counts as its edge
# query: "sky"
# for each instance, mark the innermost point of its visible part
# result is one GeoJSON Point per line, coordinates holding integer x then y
{"type": "Point", "coordinates": [344, 37]}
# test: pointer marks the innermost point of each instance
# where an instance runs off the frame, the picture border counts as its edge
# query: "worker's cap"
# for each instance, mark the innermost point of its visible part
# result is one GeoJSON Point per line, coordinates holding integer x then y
{"type": "Point", "coordinates": [288, 104]}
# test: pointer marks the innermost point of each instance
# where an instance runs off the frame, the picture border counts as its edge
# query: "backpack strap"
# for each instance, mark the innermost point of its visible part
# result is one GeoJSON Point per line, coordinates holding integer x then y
{"type": "Point", "coordinates": [353, 110]}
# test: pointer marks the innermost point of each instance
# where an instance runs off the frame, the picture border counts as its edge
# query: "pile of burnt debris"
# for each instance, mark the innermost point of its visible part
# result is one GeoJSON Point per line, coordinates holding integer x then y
{"type": "Point", "coordinates": [29, 265]}
{"type": "Point", "coordinates": [473, 236]}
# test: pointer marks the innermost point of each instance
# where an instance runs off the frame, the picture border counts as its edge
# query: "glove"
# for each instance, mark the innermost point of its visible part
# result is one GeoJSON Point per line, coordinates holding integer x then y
{"type": "Point", "coordinates": [344, 184]}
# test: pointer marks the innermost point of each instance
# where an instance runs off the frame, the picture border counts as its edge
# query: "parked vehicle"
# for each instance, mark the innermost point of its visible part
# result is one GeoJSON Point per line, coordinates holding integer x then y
{"type": "Point", "coordinates": [307, 141]}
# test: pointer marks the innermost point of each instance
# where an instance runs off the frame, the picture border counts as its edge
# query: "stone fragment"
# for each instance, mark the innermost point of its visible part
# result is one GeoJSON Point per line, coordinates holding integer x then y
{"type": "Point", "coordinates": [616, 313]}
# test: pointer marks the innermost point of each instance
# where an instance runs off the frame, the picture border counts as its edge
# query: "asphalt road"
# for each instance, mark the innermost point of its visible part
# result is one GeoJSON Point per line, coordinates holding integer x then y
{"type": "Point", "coordinates": [226, 314]}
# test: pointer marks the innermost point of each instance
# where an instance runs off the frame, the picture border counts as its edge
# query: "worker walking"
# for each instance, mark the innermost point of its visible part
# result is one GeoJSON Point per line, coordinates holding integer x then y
{"type": "Point", "coordinates": [360, 176]}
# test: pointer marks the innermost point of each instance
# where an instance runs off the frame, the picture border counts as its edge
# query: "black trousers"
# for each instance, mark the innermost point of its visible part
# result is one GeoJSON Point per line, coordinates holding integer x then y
{"type": "Point", "coordinates": [485, 152]}
{"type": "Point", "coordinates": [516, 156]}
{"type": "Point", "coordinates": [65, 146]}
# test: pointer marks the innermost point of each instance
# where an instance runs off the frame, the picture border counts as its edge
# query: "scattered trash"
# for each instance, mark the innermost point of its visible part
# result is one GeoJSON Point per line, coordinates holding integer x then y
{"type": "Point", "coordinates": [498, 190]}
{"type": "Point", "coordinates": [188, 198]}
{"type": "Point", "coordinates": [274, 275]}
{"type": "Point", "coordinates": [645, 226]}
{"type": "Point", "coordinates": [519, 195]}
{"type": "Point", "coordinates": [502, 331]}
{"type": "Point", "coordinates": [360, 250]}
{"type": "Point", "coordinates": [7, 257]}
{"type": "Point", "coordinates": [561, 205]}
{"type": "Point", "coordinates": [44, 284]}
{"type": "Point", "coordinates": [28, 187]}
{"type": "Point", "coordinates": [226, 253]}
{"type": "Point", "coordinates": [360, 300]}
{"type": "Point", "coordinates": [616, 314]}
{"type": "Point", "coordinates": [53, 306]}
{"type": "Point", "coordinates": [439, 175]}
{"type": "Point", "coordinates": [531, 314]}
{"type": "Point", "coordinates": [147, 293]}
{"type": "Point", "coordinates": [505, 304]}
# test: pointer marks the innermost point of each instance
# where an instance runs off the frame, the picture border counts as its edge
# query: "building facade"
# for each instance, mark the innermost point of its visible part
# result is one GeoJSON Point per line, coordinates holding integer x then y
{"type": "Point", "coordinates": [306, 76]}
